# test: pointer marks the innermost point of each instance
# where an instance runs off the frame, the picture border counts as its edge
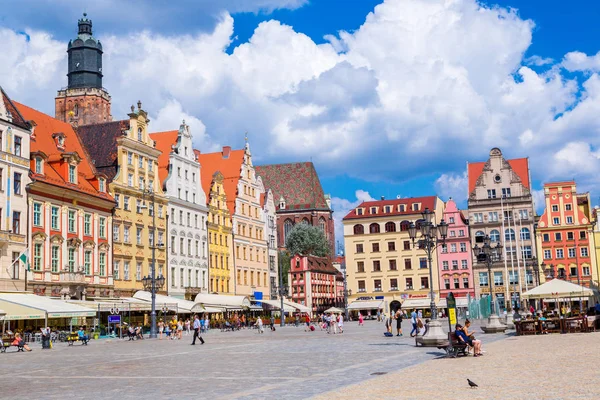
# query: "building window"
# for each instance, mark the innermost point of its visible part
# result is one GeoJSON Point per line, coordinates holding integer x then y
{"type": "Point", "coordinates": [54, 258]}
{"type": "Point", "coordinates": [16, 222]}
{"type": "Point", "coordinates": [456, 283]}
{"type": "Point", "coordinates": [406, 245]}
{"type": "Point", "coordinates": [547, 254]}
{"type": "Point", "coordinates": [71, 221]}
{"type": "Point", "coordinates": [444, 248]}
{"type": "Point", "coordinates": [375, 247]}
{"type": "Point", "coordinates": [407, 263]}
{"type": "Point", "coordinates": [453, 248]}
{"type": "Point", "coordinates": [464, 264]}
{"type": "Point", "coordinates": [37, 256]}
{"type": "Point", "coordinates": [87, 224]}
{"type": "Point", "coordinates": [452, 233]}
{"type": "Point", "coordinates": [139, 236]}
{"type": "Point", "coordinates": [374, 228]}
{"type": "Point", "coordinates": [570, 236]}
{"type": "Point", "coordinates": [445, 265]}
{"type": "Point", "coordinates": [130, 180]}
{"type": "Point", "coordinates": [18, 146]}
{"type": "Point", "coordinates": [140, 137]}
{"type": "Point", "coordinates": [361, 287]}
{"type": "Point", "coordinates": [140, 162]}
{"type": "Point", "coordinates": [71, 261]}
{"type": "Point", "coordinates": [525, 234]}
{"type": "Point", "coordinates": [498, 278]}
{"type": "Point", "coordinates": [126, 203]}
{"type": "Point", "coordinates": [455, 265]}
{"type": "Point", "coordinates": [376, 266]}
{"type": "Point", "coordinates": [359, 248]}
{"type": "Point", "coordinates": [358, 229]}
{"type": "Point", "coordinates": [37, 214]}
{"type": "Point", "coordinates": [556, 221]}
{"type": "Point", "coordinates": [126, 270]}
{"type": "Point", "coordinates": [116, 270]}
{"type": "Point", "coordinates": [571, 252]}
{"type": "Point", "coordinates": [87, 262]}
{"type": "Point", "coordinates": [138, 271]}
{"type": "Point", "coordinates": [17, 183]}
{"type": "Point", "coordinates": [393, 284]}
{"type": "Point", "coordinates": [54, 218]}
{"type": "Point", "coordinates": [38, 165]}
{"type": "Point", "coordinates": [377, 285]}
{"type": "Point", "coordinates": [586, 271]}
{"type": "Point", "coordinates": [393, 266]}
{"type": "Point", "coordinates": [505, 192]}
{"type": "Point", "coordinates": [72, 174]}
{"type": "Point", "coordinates": [558, 236]}
{"type": "Point", "coordinates": [126, 234]}
{"type": "Point", "coordinates": [581, 234]}
{"type": "Point", "coordinates": [116, 231]}
{"type": "Point", "coordinates": [463, 247]}
{"type": "Point", "coordinates": [509, 235]}
{"type": "Point", "coordinates": [569, 220]}
{"type": "Point", "coordinates": [102, 264]}
{"type": "Point", "coordinates": [584, 252]}
{"type": "Point", "coordinates": [513, 277]}
{"type": "Point", "coordinates": [390, 227]}
{"type": "Point", "coordinates": [360, 266]}
{"type": "Point", "coordinates": [422, 263]}
{"type": "Point", "coordinates": [478, 217]}
{"type": "Point", "coordinates": [546, 237]}
{"type": "Point", "coordinates": [424, 282]}
{"type": "Point", "coordinates": [129, 158]}
{"type": "Point", "coordinates": [491, 193]}
{"type": "Point", "coordinates": [493, 216]}
{"type": "Point", "coordinates": [391, 246]}
{"type": "Point", "coordinates": [554, 208]}
{"type": "Point", "coordinates": [102, 185]}
{"type": "Point", "coordinates": [526, 252]}
{"type": "Point", "coordinates": [466, 283]}
{"type": "Point", "coordinates": [409, 283]}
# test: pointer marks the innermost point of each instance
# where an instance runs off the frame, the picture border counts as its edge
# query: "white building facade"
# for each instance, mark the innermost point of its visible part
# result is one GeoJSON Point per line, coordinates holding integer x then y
{"type": "Point", "coordinates": [271, 236]}
{"type": "Point", "coordinates": [188, 214]}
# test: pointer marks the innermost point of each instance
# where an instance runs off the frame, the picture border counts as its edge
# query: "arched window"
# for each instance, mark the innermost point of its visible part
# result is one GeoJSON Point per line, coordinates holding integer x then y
{"type": "Point", "coordinates": [305, 221]}
{"type": "Point", "coordinates": [140, 134]}
{"type": "Point", "coordinates": [495, 235]}
{"type": "Point", "coordinates": [479, 233]}
{"type": "Point", "coordinates": [525, 234]}
{"type": "Point", "coordinates": [374, 228]}
{"type": "Point", "coordinates": [509, 234]}
{"type": "Point", "coordinates": [418, 223]}
{"type": "Point", "coordinates": [287, 227]}
{"type": "Point", "coordinates": [404, 225]}
{"type": "Point", "coordinates": [322, 225]}
{"type": "Point", "coordinates": [390, 227]}
{"type": "Point", "coordinates": [76, 110]}
{"type": "Point", "coordinates": [359, 229]}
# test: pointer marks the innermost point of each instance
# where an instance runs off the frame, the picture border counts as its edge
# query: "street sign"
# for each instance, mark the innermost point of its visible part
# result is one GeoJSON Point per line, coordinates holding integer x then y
{"type": "Point", "coordinates": [451, 303]}
{"type": "Point", "coordinates": [114, 319]}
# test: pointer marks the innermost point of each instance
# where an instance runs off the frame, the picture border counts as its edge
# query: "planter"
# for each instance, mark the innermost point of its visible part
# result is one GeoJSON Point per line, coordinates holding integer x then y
{"type": "Point", "coordinates": [96, 335]}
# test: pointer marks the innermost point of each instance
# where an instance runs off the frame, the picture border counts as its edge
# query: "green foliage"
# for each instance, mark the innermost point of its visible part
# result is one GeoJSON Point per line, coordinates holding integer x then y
{"type": "Point", "coordinates": [284, 263]}
{"type": "Point", "coordinates": [307, 240]}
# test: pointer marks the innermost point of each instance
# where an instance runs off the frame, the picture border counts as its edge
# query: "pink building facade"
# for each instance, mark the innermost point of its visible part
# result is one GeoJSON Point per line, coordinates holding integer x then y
{"type": "Point", "coordinates": [454, 257]}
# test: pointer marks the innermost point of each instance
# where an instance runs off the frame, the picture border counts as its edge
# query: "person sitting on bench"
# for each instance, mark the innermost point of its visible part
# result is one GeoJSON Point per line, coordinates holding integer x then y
{"type": "Point", "coordinates": [463, 338]}
{"type": "Point", "coordinates": [82, 336]}
{"type": "Point", "coordinates": [20, 343]}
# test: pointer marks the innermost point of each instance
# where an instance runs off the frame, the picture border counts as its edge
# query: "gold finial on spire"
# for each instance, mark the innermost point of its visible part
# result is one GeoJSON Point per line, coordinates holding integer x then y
{"type": "Point", "coordinates": [246, 136]}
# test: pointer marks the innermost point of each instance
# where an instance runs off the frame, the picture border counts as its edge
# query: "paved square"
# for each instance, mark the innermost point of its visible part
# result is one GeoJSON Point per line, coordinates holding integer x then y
{"type": "Point", "coordinates": [287, 364]}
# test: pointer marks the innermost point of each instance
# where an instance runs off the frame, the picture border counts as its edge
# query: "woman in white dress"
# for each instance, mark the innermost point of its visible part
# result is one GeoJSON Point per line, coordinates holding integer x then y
{"type": "Point", "coordinates": [341, 323]}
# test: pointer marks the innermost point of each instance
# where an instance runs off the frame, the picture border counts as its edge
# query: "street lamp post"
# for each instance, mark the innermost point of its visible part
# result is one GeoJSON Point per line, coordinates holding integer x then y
{"type": "Point", "coordinates": [428, 241]}
{"type": "Point", "coordinates": [347, 292]}
{"type": "Point", "coordinates": [488, 254]}
{"type": "Point", "coordinates": [152, 282]}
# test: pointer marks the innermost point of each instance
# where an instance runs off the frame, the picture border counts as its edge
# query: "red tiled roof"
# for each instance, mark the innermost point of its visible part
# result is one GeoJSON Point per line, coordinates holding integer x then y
{"type": "Point", "coordinates": [43, 141]}
{"type": "Point", "coordinates": [100, 141]}
{"type": "Point", "coordinates": [519, 165]}
{"type": "Point", "coordinates": [297, 183]}
{"type": "Point", "coordinates": [230, 166]}
{"type": "Point", "coordinates": [164, 142]}
{"type": "Point", "coordinates": [17, 118]}
{"type": "Point", "coordinates": [321, 264]}
{"type": "Point", "coordinates": [426, 202]}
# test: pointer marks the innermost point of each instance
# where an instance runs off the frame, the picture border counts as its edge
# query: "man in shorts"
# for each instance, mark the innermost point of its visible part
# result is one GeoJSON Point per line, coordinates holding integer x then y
{"type": "Point", "coordinates": [399, 322]}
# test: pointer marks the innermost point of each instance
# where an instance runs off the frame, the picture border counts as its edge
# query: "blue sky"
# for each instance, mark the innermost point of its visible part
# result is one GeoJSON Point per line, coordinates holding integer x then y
{"type": "Point", "coordinates": [387, 97]}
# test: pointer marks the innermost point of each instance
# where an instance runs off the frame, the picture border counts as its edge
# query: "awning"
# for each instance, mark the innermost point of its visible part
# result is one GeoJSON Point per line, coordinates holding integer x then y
{"type": "Point", "coordinates": [416, 303]}
{"type": "Point", "coordinates": [277, 305]}
{"type": "Point", "coordinates": [558, 288]}
{"type": "Point", "coordinates": [180, 306]}
{"type": "Point", "coordinates": [462, 302]}
{"type": "Point", "coordinates": [366, 305]}
{"type": "Point", "coordinates": [123, 304]}
{"type": "Point", "coordinates": [299, 307]}
{"type": "Point", "coordinates": [19, 306]}
{"type": "Point", "coordinates": [229, 303]}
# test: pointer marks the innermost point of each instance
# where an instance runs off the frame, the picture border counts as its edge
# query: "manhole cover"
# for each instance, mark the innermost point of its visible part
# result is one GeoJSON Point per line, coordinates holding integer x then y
{"type": "Point", "coordinates": [379, 373]}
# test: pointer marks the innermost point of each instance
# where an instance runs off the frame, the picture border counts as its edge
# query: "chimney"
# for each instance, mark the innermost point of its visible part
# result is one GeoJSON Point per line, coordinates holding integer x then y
{"type": "Point", "coordinates": [226, 151]}
{"type": "Point", "coordinates": [382, 197]}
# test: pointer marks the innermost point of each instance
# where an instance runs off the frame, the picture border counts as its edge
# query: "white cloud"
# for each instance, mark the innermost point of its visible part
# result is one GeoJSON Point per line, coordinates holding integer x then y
{"type": "Point", "coordinates": [419, 87]}
{"type": "Point", "coordinates": [341, 207]}
{"type": "Point", "coordinates": [538, 61]}
{"type": "Point", "coordinates": [539, 200]}
{"type": "Point", "coordinates": [453, 186]}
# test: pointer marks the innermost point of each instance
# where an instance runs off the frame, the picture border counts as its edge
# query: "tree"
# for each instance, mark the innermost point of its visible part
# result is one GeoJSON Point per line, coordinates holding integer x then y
{"type": "Point", "coordinates": [307, 240]}
{"type": "Point", "coordinates": [284, 263]}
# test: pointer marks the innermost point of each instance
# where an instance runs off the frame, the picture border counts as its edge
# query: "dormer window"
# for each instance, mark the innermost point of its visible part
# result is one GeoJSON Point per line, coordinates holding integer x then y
{"type": "Point", "coordinates": [373, 210]}
{"type": "Point", "coordinates": [140, 136]}
{"type": "Point", "coordinates": [402, 207]}
{"type": "Point", "coordinates": [359, 211]}
{"type": "Point", "coordinates": [388, 209]}
{"type": "Point", "coordinates": [39, 165]}
{"type": "Point", "coordinates": [59, 138]}
{"type": "Point", "coordinates": [102, 185]}
{"type": "Point", "coordinates": [72, 174]}
{"type": "Point", "coordinates": [416, 206]}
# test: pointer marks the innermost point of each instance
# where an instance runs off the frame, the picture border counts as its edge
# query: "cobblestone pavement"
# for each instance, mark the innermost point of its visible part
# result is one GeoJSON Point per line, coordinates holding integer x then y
{"type": "Point", "coordinates": [527, 367]}
{"type": "Point", "coordinates": [286, 364]}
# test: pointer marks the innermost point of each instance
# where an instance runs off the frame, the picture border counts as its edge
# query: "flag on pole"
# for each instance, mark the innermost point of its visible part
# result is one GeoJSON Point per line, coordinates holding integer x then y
{"type": "Point", "coordinates": [25, 260]}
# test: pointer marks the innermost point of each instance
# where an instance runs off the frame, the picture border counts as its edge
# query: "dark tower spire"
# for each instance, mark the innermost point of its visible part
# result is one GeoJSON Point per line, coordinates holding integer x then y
{"type": "Point", "coordinates": [85, 58]}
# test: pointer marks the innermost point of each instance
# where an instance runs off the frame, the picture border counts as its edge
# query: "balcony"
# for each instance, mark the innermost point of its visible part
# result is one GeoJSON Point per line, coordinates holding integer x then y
{"type": "Point", "coordinates": [72, 277]}
{"type": "Point", "coordinates": [192, 291]}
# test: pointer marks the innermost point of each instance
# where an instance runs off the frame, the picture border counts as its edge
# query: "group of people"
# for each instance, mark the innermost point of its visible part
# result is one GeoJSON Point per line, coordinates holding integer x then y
{"type": "Point", "coordinates": [464, 335]}
{"type": "Point", "coordinates": [175, 328]}
{"type": "Point", "coordinates": [135, 332]}
{"type": "Point", "coordinates": [331, 323]}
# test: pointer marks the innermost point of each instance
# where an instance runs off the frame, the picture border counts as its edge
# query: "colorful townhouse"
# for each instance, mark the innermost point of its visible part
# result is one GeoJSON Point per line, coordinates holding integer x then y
{"type": "Point", "coordinates": [70, 214]}
{"type": "Point", "coordinates": [454, 257]}
{"type": "Point", "coordinates": [565, 235]}
{"type": "Point", "coordinates": [180, 176]}
{"type": "Point", "coordinates": [14, 177]}
{"type": "Point", "coordinates": [381, 261]}
{"type": "Point", "coordinates": [243, 188]}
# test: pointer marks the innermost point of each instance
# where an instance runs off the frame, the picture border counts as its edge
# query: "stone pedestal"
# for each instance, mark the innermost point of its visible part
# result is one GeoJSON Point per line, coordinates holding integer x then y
{"type": "Point", "coordinates": [435, 335]}
{"type": "Point", "coordinates": [494, 325]}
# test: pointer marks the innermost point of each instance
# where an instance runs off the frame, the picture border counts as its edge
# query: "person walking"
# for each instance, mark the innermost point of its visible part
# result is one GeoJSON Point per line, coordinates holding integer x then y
{"type": "Point", "coordinates": [187, 327]}
{"type": "Point", "coordinates": [307, 321]}
{"type": "Point", "coordinates": [378, 315]}
{"type": "Point", "coordinates": [161, 328]}
{"type": "Point", "coordinates": [413, 321]}
{"type": "Point", "coordinates": [361, 320]}
{"type": "Point", "coordinates": [399, 322]}
{"type": "Point", "coordinates": [259, 324]}
{"type": "Point", "coordinates": [197, 330]}
{"type": "Point", "coordinates": [206, 323]}
{"type": "Point", "coordinates": [179, 329]}
{"type": "Point", "coordinates": [333, 323]}
{"type": "Point", "coordinates": [341, 323]}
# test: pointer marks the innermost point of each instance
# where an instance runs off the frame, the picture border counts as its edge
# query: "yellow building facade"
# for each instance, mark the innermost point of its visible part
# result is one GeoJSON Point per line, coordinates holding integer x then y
{"type": "Point", "coordinates": [124, 151]}
{"type": "Point", "coordinates": [381, 261]}
{"type": "Point", "coordinates": [219, 238]}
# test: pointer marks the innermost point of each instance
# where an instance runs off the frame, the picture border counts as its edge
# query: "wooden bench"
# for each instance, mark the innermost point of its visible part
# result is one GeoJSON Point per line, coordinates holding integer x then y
{"type": "Point", "coordinates": [7, 344]}
{"type": "Point", "coordinates": [458, 348]}
{"type": "Point", "coordinates": [72, 338]}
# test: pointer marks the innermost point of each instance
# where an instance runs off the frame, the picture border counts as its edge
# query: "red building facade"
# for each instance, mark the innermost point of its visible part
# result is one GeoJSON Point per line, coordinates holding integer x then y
{"type": "Point", "coordinates": [299, 198]}
{"type": "Point", "coordinates": [565, 234]}
{"type": "Point", "coordinates": [315, 283]}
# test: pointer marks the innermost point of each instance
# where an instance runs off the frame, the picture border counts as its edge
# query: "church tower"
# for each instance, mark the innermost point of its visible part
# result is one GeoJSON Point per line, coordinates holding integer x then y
{"type": "Point", "coordinates": [84, 101]}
